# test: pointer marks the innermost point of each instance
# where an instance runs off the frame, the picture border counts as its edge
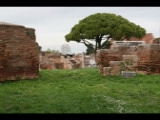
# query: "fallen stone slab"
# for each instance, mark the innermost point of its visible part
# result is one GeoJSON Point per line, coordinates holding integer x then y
{"type": "Point", "coordinates": [128, 74]}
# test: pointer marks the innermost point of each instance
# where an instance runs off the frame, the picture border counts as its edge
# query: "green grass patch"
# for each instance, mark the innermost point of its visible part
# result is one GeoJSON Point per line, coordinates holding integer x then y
{"type": "Point", "coordinates": [81, 91]}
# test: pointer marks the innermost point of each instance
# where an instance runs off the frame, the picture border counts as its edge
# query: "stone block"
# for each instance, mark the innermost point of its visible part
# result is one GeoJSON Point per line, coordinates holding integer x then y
{"type": "Point", "coordinates": [128, 74]}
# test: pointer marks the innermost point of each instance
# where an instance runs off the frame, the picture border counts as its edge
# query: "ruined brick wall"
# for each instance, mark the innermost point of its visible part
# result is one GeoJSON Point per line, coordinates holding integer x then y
{"type": "Point", "coordinates": [155, 41]}
{"type": "Point", "coordinates": [87, 59]}
{"type": "Point", "coordinates": [142, 58]}
{"type": "Point", "coordinates": [50, 61]}
{"type": "Point", "coordinates": [148, 38]}
{"type": "Point", "coordinates": [66, 63]}
{"type": "Point", "coordinates": [149, 58]}
{"type": "Point", "coordinates": [78, 58]}
{"type": "Point", "coordinates": [104, 56]}
{"type": "Point", "coordinates": [19, 52]}
{"type": "Point", "coordinates": [69, 62]}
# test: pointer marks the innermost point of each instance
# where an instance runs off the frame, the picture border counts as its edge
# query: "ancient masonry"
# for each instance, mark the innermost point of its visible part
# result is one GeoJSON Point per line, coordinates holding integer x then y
{"type": "Point", "coordinates": [19, 52]}
{"type": "Point", "coordinates": [141, 58]}
{"type": "Point", "coordinates": [51, 61]}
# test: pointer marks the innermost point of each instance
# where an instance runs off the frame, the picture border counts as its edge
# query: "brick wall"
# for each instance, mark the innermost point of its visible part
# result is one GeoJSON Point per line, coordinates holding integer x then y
{"type": "Point", "coordinates": [50, 61]}
{"type": "Point", "coordinates": [19, 52]}
{"type": "Point", "coordinates": [104, 56]}
{"type": "Point", "coordinates": [149, 58]}
{"type": "Point", "coordinates": [148, 38]}
{"type": "Point", "coordinates": [142, 58]}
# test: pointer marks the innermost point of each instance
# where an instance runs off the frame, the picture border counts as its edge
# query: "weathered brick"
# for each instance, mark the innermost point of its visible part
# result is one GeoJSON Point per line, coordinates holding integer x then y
{"type": "Point", "coordinates": [19, 52]}
{"type": "Point", "coordinates": [142, 58]}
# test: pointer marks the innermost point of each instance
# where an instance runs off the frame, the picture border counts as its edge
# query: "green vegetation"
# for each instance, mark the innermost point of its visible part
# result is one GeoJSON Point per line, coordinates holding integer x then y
{"type": "Point", "coordinates": [51, 51]}
{"type": "Point", "coordinates": [95, 30]}
{"type": "Point", "coordinates": [81, 91]}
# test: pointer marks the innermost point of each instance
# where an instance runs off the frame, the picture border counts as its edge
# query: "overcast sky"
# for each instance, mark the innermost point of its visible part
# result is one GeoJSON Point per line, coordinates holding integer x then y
{"type": "Point", "coordinates": [51, 24]}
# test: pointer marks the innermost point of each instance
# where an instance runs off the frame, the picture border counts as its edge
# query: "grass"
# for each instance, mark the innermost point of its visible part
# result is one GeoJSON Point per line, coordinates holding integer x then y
{"type": "Point", "coordinates": [81, 91]}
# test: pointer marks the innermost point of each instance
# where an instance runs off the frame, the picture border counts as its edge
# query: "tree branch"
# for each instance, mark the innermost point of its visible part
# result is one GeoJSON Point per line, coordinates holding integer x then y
{"type": "Point", "coordinates": [88, 44]}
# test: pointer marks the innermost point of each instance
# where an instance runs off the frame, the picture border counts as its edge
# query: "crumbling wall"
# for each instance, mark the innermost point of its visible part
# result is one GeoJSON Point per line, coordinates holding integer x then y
{"type": "Point", "coordinates": [50, 61]}
{"type": "Point", "coordinates": [149, 58]}
{"type": "Point", "coordinates": [104, 56]}
{"type": "Point", "coordinates": [148, 38]}
{"type": "Point", "coordinates": [19, 52]}
{"type": "Point", "coordinates": [70, 62]}
{"type": "Point", "coordinates": [66, 63]}
{"type": "Point", "coordinates": [78, 58]}
{"type": "Point", "coordinates": [142, 58]}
